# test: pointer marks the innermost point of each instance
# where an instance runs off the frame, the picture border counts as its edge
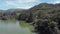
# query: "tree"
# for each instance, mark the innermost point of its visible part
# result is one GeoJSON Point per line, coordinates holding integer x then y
{"type": "Point", "coordinates": [45, 27]}
{"type": "Point", "coordinates": [30, 18]}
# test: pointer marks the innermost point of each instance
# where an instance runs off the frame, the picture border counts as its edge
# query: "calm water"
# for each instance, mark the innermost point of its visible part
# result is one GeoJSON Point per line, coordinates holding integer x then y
{"type": "Point", "coordinates": [14, 27]}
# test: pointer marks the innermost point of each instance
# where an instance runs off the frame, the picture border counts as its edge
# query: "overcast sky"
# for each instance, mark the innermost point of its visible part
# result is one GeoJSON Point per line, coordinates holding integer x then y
{"type": "Point", "coordinates": [24, 4]}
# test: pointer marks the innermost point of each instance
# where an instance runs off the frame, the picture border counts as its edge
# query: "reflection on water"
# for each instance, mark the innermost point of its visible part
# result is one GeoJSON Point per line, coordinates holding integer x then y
{"type": "Point", "coordinates": [14, 27]}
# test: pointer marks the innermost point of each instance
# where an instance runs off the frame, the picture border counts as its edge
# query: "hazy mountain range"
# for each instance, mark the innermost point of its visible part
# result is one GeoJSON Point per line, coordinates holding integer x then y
{"type": "Point", "coordinates": [41, 6]}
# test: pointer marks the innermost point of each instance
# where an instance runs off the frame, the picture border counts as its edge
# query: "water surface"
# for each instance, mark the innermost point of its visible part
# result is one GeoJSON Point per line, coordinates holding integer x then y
{"type": "Point", "coordinates": [14, 27]}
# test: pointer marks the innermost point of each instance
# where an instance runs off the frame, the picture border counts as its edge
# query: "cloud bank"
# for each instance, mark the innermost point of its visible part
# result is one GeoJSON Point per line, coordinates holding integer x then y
{"type": "Point", "coordinates": [6, 4]}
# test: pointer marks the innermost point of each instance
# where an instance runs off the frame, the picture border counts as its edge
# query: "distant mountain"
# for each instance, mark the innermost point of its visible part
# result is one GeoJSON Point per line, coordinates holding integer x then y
{"type": "Point", "coordinates": [44, 7]}
{"type": "Point", "coordinates": [37, 8]}
{"type": "Point", "coordinates": [2, 10]}
{"type": "Point", "coordinates": [13, 10]}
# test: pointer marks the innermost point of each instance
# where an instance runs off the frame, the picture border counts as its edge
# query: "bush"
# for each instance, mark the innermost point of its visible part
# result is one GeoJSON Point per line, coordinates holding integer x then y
{"type": "Point", "coordinates": [45, 27]}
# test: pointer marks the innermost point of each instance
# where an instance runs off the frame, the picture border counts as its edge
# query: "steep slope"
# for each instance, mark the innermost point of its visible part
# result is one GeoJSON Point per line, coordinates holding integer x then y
{"type": "Point", "coordinates": [44, 7]}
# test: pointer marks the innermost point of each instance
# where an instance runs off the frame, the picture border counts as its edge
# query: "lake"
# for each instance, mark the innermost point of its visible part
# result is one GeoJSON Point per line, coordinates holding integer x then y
{"type": "Point", "coordinates": [15, 27]}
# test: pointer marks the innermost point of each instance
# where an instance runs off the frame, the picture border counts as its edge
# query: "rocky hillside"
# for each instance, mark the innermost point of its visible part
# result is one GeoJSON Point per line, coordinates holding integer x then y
{"type": "Point", "coordinates": [44, 7]}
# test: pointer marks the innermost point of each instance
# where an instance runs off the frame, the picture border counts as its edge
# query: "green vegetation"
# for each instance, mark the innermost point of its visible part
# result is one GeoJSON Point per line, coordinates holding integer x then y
{"type": "Point", "coordinates": [25, 24]}
{"type": "Point", "coordinates": [44, 17]}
